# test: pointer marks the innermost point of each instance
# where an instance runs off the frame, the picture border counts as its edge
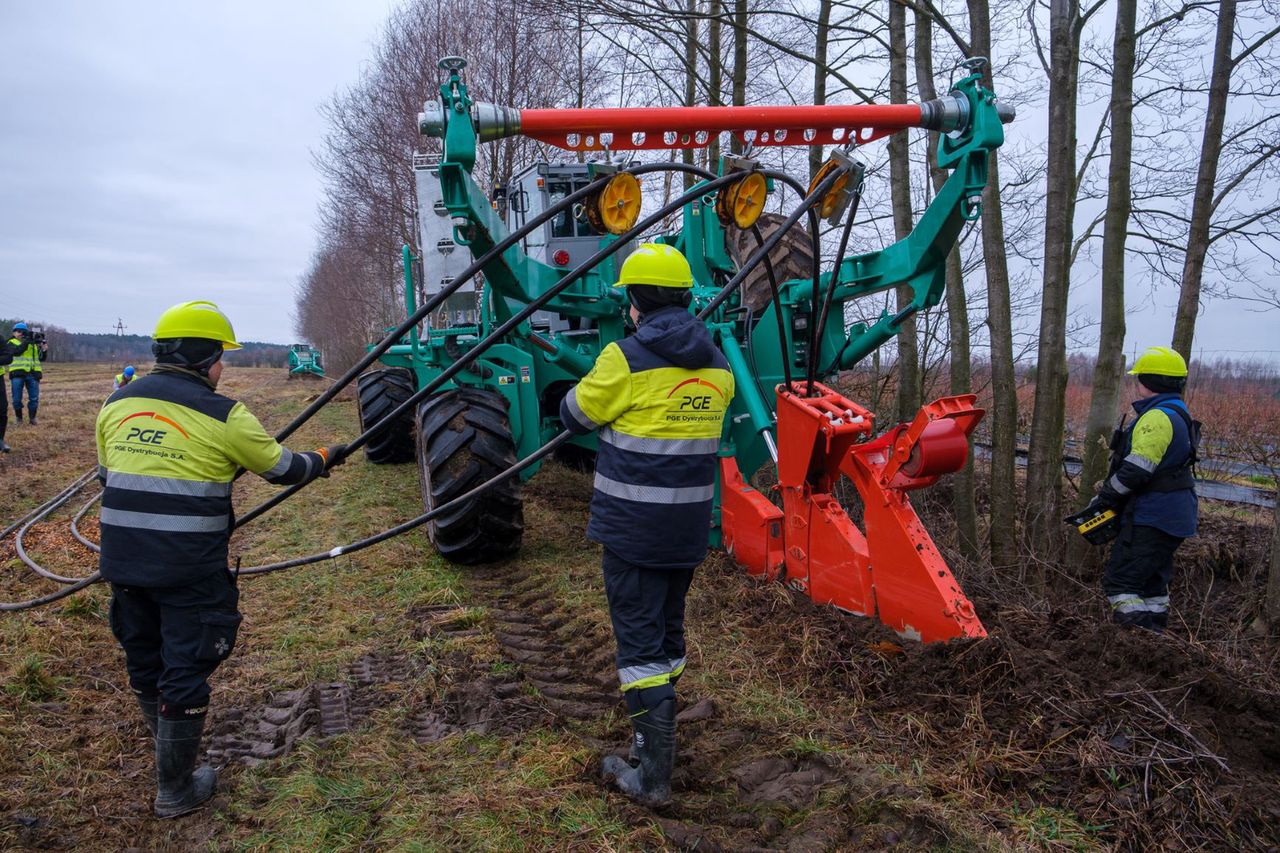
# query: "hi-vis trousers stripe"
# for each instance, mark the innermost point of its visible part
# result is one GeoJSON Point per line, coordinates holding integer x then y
{"type": "Point", "coordinates": [655, 494]}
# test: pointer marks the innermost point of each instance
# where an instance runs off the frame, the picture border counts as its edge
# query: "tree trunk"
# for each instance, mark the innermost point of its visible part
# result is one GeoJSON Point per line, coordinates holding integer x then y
{"type": "Point", "coordinates": [1184, 324]}
{"type": "Point", "coordinates": [1108, 372]}
{"type": "Point", "coordinates": [1271, 606]}
{"type": "Point", "coordinates": [1003, 530]}
{"type": "Point", "coordinates": [1044, 456]}
{"type": "Point", "coordinates": [820, 76]}
{"type": "Point", "coordinates": [690, 76]}
{"type": "Point", "coordinates": [715, 74]}
{"type": "Point", "coordinates": [900, 190]}
{"type": "Point", "coordinates": [964, 507]}
{"type": "Point", "coordinates": [739, 63]}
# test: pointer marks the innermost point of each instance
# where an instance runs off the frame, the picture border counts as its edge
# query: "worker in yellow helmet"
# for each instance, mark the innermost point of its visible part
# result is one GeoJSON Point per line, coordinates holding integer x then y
{"type": "Point", "coordinates": [658, 400]}
{"type": "Point", "coordinates": [1151, 485]}
{"type": "Point", "coordinates": [169, 447]}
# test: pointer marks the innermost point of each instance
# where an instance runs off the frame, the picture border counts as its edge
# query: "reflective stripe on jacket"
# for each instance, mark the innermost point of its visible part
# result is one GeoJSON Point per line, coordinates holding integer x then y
{"type": "Point", "coordinates": [26, 358]}
{"type": "Point", "coordinates": [659, 429]}
{"type": "Point", "coordinates": [168, 451]}
{"type": "Point", "coordinates": [1151, 450]}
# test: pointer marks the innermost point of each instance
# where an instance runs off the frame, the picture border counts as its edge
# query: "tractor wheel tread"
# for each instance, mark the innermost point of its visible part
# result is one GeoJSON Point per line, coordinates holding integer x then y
{"type": "Point", "coordinates": [464, 439]}
{"type": "Point", "coordinates": [379, 392]}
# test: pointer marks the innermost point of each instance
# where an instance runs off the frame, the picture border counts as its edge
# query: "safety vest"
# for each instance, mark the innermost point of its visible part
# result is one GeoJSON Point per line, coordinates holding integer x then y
{"type": "Point", "coordinates": [658, 399]}
{"type": "Point", "coordinates": [168, 451]}
{"type": "Point", "coordinates": [1152, 461]}
{"type": "Point", "coordinates": [26, 360]}
{"type": "Point", "coordinates": [121, 381]}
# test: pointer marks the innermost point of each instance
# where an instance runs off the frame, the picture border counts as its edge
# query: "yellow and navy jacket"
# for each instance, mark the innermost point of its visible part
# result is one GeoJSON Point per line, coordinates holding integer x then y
{"type": "Point", "coordinates": [26, 358]}
{"type": "Point", "coordinates": [168, 450]}
{"type": "Point", "coordinates": [658, 399]}
{"type": "Point", "coordinates": [1151, 466]}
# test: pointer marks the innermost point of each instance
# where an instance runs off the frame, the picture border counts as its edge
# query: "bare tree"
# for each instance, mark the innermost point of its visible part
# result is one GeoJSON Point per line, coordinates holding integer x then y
{"type": "Point", "coordinates": [1109, 366]}
{"type": "Point", "coordinates": [900, 188]}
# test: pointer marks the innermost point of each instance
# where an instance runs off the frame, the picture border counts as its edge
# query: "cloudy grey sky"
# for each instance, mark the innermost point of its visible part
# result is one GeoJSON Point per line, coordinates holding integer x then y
{"type": "Point", "coordinates": [154, 152]}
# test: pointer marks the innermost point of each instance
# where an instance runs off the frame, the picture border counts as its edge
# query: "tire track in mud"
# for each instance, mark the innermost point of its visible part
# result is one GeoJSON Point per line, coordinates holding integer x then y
{"type": "Point", "coordinates": [734, 788]}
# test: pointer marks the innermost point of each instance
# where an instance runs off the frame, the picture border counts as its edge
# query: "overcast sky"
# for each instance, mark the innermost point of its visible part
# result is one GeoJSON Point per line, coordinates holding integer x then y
{"type": "Point", "coordinates": [154, 152]}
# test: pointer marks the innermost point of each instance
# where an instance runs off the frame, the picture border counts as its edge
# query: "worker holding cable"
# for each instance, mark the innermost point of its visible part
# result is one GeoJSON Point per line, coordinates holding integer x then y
{"type": "Point", "coordinates": [169, 448]}
{"type": "Point", "coordinates": [1151, 486]}
{"type": "Point", "coordinates": [658, 399]}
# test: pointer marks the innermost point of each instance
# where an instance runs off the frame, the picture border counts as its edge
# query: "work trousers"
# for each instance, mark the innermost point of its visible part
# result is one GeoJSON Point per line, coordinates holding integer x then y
{"type": "Point", "coordinates": [175, 637]}
{"type": "Point", "coordinates": [646, 607]}
{"type": "Point", "coordinates": [4, 407]}
{"type": "Point", "coordinates": [31, 382]}
{"type": "Point", "coordinates": [1138, 572]}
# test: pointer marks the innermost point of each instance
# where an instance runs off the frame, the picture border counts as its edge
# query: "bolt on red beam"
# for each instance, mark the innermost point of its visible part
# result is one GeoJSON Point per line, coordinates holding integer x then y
{"type": "Point", "coordinates": [626, 129]}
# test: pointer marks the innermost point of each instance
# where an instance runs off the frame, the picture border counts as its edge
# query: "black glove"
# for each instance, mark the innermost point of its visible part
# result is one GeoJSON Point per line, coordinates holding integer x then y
{"type": "Point", "coordinates": [334, 455]}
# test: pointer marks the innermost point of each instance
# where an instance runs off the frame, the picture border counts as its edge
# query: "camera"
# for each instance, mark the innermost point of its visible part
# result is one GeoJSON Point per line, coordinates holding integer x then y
{"type": "Point", "coordinates": [37, 336]}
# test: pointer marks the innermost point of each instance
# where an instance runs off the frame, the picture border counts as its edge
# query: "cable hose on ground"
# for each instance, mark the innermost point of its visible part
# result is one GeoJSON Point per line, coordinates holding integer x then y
{"type": "Point", "coordinates": [502, 330]}
{"type": "Point", "coordinates": [75, 524]}
{"type": "Point", "coordinates": [20, 548]}
{"type": "Point", "coordinates": [74, 484]}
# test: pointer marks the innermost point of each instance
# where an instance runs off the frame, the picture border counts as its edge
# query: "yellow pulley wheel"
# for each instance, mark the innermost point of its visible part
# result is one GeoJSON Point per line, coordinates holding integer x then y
{"type": "Point", "coordinates": [742, 202]}
{"type": "Point", "coordinates": [835, 196]}
{"type": "Point", "coordinates": [616, 207]}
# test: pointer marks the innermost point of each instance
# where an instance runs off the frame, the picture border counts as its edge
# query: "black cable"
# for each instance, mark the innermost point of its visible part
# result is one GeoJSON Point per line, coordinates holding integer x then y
{"type": "Point", "coordinates": [821, 319]}
{"type": "Point", "coordinates": [502, 330]}
{"type": "Point", "coordinates": [361, 544]}
{"type": "Point", "coordinates": [776, 296]}
{"type": "Point", "coordinates": [806, 206]}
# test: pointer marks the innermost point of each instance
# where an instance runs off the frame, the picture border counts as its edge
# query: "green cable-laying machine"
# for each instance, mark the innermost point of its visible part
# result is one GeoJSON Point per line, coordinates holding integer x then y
{"type": "Point", "coordinates": [305, 361]}
{"type": "Point", "coordinates": [772, 306]}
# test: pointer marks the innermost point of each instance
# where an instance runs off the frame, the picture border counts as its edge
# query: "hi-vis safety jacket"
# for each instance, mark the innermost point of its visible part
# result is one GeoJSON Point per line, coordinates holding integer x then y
{"type": "Point", "coordinates": [658, 399]}
{"type": "Point", "coordinates": [168, 450]}
{"type": "Point", "coordinates": [26, 358]}
{"type": "Point", "coordinates": [1151, 466]}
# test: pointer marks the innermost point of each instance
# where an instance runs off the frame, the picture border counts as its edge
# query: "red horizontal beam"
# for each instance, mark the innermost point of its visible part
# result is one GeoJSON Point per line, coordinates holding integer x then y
{"type": "Point", "coordinates": [694, 127]}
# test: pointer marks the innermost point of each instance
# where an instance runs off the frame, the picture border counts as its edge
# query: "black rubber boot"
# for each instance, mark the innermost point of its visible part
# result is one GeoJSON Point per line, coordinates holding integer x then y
{"type": "Point", "coordinates": [178, 789]}
{"type": "Point", "coordinates": [150, 707]}
{"type": "Point", "coordinates": [654, 745]}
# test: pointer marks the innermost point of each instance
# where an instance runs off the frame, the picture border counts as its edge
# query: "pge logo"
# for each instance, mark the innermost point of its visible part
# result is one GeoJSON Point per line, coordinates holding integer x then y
{"type": "Point", "coordinates": [695, 402]}
{"type": "Point", "coordinates": [140, 435]}
{"type": "Point", "coordinates": [699, 403]}
{"type": "Point", "coordinates": [146, 436]}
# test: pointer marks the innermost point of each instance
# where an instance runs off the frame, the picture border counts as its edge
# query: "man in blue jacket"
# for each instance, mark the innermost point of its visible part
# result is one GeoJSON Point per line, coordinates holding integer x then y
{"type": "Point", "coordinates": [1151, 485]}
{"type": "Point", "coordinates": [658, 399]}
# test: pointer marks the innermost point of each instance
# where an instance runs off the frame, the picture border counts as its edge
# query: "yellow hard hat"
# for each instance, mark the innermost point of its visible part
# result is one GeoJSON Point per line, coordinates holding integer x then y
{"type": "Point", "coordinates": [196, 320]}
{"type": "Point", "coordinates": [657, 265]}
{"type": "Point", "coordinates": [1160, 361]}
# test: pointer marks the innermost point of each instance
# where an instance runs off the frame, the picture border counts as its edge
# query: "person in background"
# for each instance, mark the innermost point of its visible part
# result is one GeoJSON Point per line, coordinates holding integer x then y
{"type": "Point", "coordinates": [1151, 485]}
{"type": "Point", "coordinates": [28, 351]}
{"type": "Point", "coordinates": [124, 378]}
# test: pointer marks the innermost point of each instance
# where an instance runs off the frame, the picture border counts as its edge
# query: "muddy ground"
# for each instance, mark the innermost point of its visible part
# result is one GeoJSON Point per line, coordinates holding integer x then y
{"type": "Point", "coordinates": [392, 703]}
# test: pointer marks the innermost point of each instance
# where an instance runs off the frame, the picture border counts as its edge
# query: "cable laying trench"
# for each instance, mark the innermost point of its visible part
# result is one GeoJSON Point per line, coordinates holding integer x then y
{"type": "Point", "coordinates": [480, 347]}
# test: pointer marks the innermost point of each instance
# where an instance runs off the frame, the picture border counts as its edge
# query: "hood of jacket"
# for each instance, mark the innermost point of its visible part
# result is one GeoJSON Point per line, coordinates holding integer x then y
{"type": "Point", "coordinates": [679, 337]}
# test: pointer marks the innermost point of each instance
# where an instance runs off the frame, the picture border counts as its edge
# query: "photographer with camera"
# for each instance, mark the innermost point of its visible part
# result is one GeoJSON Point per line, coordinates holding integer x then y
{"type": "Point", "coordinates": [28, 349]}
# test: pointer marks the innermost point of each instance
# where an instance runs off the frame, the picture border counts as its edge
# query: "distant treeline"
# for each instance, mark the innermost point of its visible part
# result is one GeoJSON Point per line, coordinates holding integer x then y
{"type": "Point", "coordinates": [136, 349]}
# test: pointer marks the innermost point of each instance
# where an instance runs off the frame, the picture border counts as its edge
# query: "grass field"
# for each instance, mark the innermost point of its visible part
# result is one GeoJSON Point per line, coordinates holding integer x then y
{"type": "Point", "coordinates": [388, 701]}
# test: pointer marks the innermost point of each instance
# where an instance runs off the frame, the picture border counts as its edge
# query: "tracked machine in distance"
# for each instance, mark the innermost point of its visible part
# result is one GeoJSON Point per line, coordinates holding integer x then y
{"type": "Point", "coordinates": [503, 353]}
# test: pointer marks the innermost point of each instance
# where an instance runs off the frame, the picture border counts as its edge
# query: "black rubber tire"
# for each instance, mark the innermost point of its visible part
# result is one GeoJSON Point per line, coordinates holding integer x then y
{"type": "Point", "coordinates": [792, 257]}
{"type": "Point", "coordinates": [379, 392]}
{"type": "Point", "coordinates": [464, 439]}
